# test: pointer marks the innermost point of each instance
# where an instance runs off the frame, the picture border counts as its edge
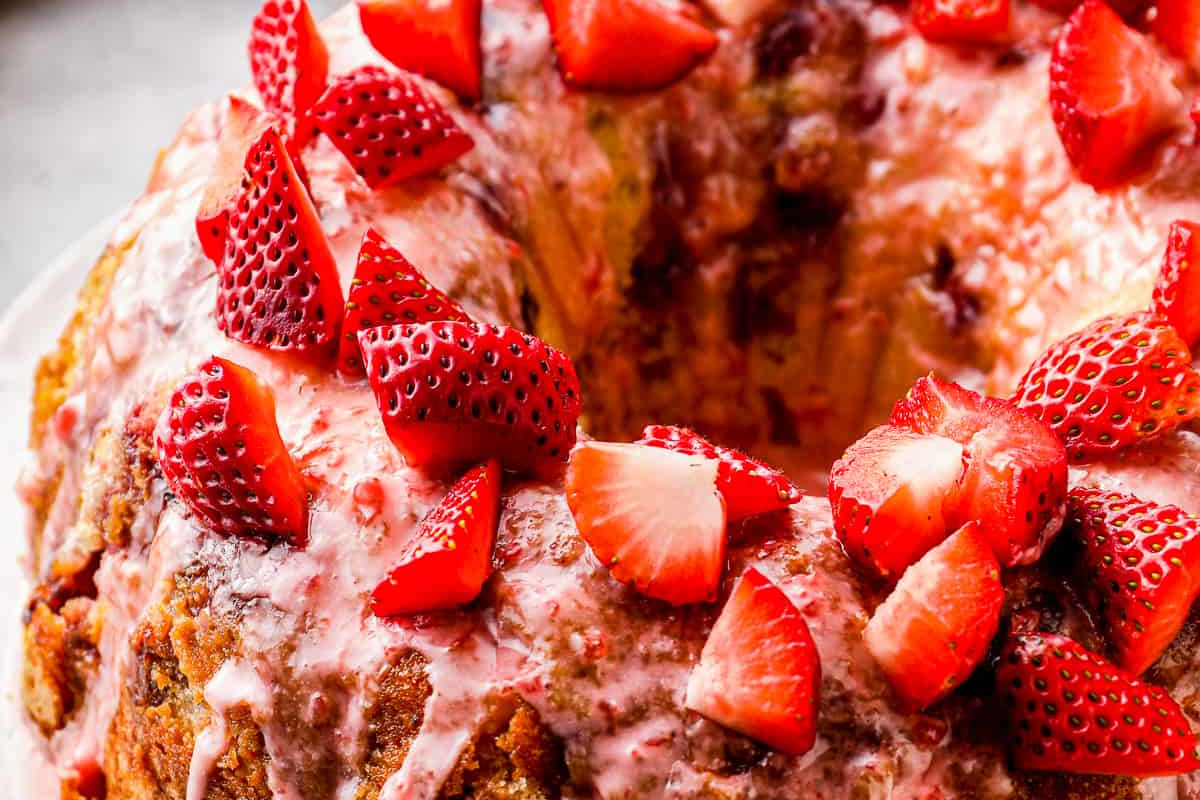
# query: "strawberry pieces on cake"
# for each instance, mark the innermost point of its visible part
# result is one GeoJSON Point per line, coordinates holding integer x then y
{"type": "Point", "coordinates": [1177, 291]}
{"type": "Point", "coordinates": [288, 60]}
{"type": "Point", "coordinates": [963, 21]}
{"type": "Point", "coordinates": [1176, 23]}
{"type": "Point", "coordinates": [438, 39]}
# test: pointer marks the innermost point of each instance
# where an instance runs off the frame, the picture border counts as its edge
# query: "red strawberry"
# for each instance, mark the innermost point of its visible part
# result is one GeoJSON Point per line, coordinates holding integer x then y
{"type": "Point", "coordinates": [1073, 711]}
{"type": "Point", "coordinates": [288, 60]}
{"type": "Point", "coordinates": [1176, 23]}
{"type": "Point", "coordinates": [435, 38]}
{"type": "Point", "coordinates": [889, 493]}
{"type": "Point", "coordinates": [244, 124]}
{"type": "Point", "coordinates": [279, 285]}
{"type": "Point", "coordinates": [449, 557]}
{"type": "Point", "coordinates": [984, 21]}
{"type": "Point", "coordinates": [760, 673]}
{"type": "Point", "coordinates": [387, 127]}
{"type": "Point", "coordinates": [595, 40]}
{"type": "Point", "coordinates": [221, 454]}
{"type": "Point", "coordinates": [1016, 476]}
{"type": "Point", "coordinates": [653, 517]}
{"type": "Point", "coordinates": [1111, 94]}
{"type": "Point", "coordinates": [455, 392]}
{"type": "Point", "coordinates": [1177, 291]}
{"type": "Point", "coordinates": [935, 627]}
{"type": "Point", "coordinates": [387, 289]}
{"type": "Point", "coordinates": [749, 486]}
{"type": "Point", "coordinates": [1112, 384]}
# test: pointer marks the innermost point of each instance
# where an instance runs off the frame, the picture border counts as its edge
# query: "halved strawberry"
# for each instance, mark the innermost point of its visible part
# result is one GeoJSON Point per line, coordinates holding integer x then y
{"type": "Point", "coordinates": [1073, 711]}
{"type": "Point", "coordinates": [749, 486]}
{"type": "Point", "coordinates": [971, 21]}
{"type": "Point", "coordinates": [435, 38]}
{"type": "Point", "coordinates": [889, 494]}
{"type": "Point", "coordinates": [278, 281]}
{"type": "Point", "coordinates": [932, 631]}
{"type": "Point", "coordinates": [759, 672]}
{"type": "Point", "coordinates": [625, 45]}
{"type": "Point", "coordinates": [455, 392]}
{"type": "Point", "coordinates": [1111, 95]}
{"type": "Point", "coordinates": [386, 290]}
{"type": "Point", "coordinates": [653, 517]}
{"type": "Point", "coordinates": [387, 127]}
{"type": "Point", "coordinates": [221, 454]}
{"type": "Point", "coordinates": [1176, 23]}
{"type": "Point", "coordinates": [1016, 475]}
{"type": "Point", "coordinates": [288, 60]}
{"type": "Point", "coordinates": [1177, 291]}
{"type": "Point", "coordinates": [1112, 384]}
{"type": "Point", "coordinates": [449, 557]}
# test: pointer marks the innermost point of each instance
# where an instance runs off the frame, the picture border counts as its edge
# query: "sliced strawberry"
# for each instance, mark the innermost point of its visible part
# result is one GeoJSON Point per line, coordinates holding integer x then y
{"type": "Point", "coordinates": [1112, 384]}
{"type": "Point", "coordinates": [454, 392]}
{"type": "Point", "coordinates": [935, 627]}
{"type": "Point", "coordinates": [387, 127]}
{"type": "Point", "coordinates": [386, 290]}
{"type": "Point", "coordinates": [889, 493]}
{"type": "Point", "coordinates": [595, 40]}
{"type": "Point", "coordinates": [749, 486]}
{"type": "Point", "coordinates": [759, 672]}
{"type": "Point", "coordinates": [221, 454]}
{"type": "Point", "coordinates": [1016, 476]}
{"type": "Point", "coordinates": [1073, 711]}
{"type": "Point", "coordinates": [279, 285]}
{"type": "Point", "coordinates": [438, 39]}
{"type": "Point", "coordinates": [971, 21]}
{"type": "Point", "coordinates": [288, 60]}
{"type": "Point", "coordinates": [1177, 291]}
{"type": "Point", "coordinates": [449, 557]}
{"type": "Point", "coordinates": [1111, 95]}
{"type": "Point", "coordinates": [653, 517]}
{"type": "Point", "coordinates": [1176, 23]}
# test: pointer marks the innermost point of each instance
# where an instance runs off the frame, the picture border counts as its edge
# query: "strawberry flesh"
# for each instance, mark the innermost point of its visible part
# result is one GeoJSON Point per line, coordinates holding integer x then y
{"type": "Point", "coordinates": [969, 21]}
{"type": "Point", "coordinates": [1177, 291]}
{"type": "Point", "coordinates": [439, 40]}
{"type": "Point", "coordinates": [1176, 23]}
{"type": "Point", "coordinates": [288, 60]}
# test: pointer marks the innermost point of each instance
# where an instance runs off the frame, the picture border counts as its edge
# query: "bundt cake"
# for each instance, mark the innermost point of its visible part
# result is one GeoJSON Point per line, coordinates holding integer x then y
{"type": "Point", "coordinates": [316, 511]}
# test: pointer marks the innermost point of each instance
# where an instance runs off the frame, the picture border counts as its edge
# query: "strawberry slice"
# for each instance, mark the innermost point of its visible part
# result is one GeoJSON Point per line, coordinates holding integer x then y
{"type": "Point", "coordinates": [1016, 476]}
{"type": "Point", "coordinates": [449, 557]}
{"type": "Point", "coordinates": [759, 672]}
{"type": "Point", "coordinates": [1112, 384]}
{"type": "Point", "coordinates": [387, 127]}
{"type": "Point", "coordinates": [386, 290]}
{"type": "Point", "coordinates": [1073, 711]}
{"type": "Point", "coordinates": [288, 60]}
{"type": "Point", "coordinates": [595, 39]}
{"type": "Point", "coordinates": [1176, 23]}
{"type": "Point", "coordinates": [653, 517]}
{"type": "Point", "coordinates": [1177, 291]}
{"type": "Point", "coordinates": [279, 286]}
{"type": "Point", "coordinates": [969, 21]}
{"type": "Point", "coordinates": [438, 39]}
{"type": "Point", "coordinates": [1111, 95]}
{"type": "Point", "coordinates": [749, 486]}
{"type": "Point", "coordinates": [221, 454]}
{"type": "Point", "coordinates": [454, 392]}
{"type": "Point", "coordinates": [890, 492]}
{"type": "Point", "coordinates": [932, 631]}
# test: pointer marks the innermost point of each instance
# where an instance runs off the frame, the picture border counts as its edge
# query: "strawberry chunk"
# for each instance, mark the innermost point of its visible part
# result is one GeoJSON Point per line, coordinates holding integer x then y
{"type": "Point", "coordinates": [595, 39]}
{"type": "Point", "coordinates": [436, 39]}
{"type": "Point", "coordinates": [221, 454]}
{"type": "Point", "coordinates": [1114, 383]}
{"type": "Point", "coordinates": [387, 289]}
{"type": "Point", "coordinates": [449, 557]}
{"type": "Point", "coordinates": [1111, 95]}
{"type": "Point", "coordinates": [387, 127]}
{"type": "Point", "coordinates": [654, 518]}
{"type": "Point", "coordinates": [932, 631]}
{"type": "Point", "coordinates": [749, 486]}
{"type": "Point", "coordinates": [288, 60]}
{"type": "Point", "coordinates": [1177, 291]}
{"type": "Point", "coordinates": [969, 21]}
{"type": "Point", "coordinates": [759, 672]}
{"type": "Point", "coordinates": [1176, 23]}
{"type": "Point", "coordinates": [1073, 711]}
{"type": "Point", "coordinates": [455, 392]}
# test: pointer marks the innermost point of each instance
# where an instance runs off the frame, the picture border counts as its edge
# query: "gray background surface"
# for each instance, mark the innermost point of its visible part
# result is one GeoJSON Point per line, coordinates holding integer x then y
{"type": "Point", "coordinates": [90, 90]}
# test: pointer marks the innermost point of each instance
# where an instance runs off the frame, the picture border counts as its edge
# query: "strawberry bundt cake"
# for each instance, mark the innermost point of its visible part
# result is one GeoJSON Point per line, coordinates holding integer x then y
{"type": "Point", "coordinates": [314, 516]}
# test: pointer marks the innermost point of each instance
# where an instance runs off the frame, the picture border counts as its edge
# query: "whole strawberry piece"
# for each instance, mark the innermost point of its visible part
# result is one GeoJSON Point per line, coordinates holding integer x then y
{"type": "Point", "coordinates": [760, 673]}
{"type": "Point", "coordinates": [288, 60]}
{"type": "Point", "coordinates": [453, 392]}
{"type": "Point", "coordinates": [278, 281]}
{"type": "Point", "coordinates": [1112, 384]}
{"type": "Point", "coordinates": [1073, 711]}
{"type": "Point", "coordinates": [749, 486]}
{"type": "Point", "coordinates": [969, 21]}
{"type": "Point", "coordinates": [387, 289]}
{"type": "Point", "coordinates": [221, 454]}
{"type": "Point", "coordinates": [1177, 291]}
{"type": "Point", "coordinates": [446, 562]}
{"type": "Point", "coordinates": [387, 127]}
{"type": "Point", "coordinates": [438, 39]}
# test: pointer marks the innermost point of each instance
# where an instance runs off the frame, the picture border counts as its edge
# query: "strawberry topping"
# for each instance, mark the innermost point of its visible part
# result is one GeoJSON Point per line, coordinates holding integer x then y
{"type": "Point", "coordinates": [1176, 23]}
{"type": "Point", "coordinates": [438, 39]}
{"type": "Point", "coordinates": [288, 60]}
{"type": "Point", "coordinates": [1177, 291]}
{"type": "Point", "coordinates": [983, 21]}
